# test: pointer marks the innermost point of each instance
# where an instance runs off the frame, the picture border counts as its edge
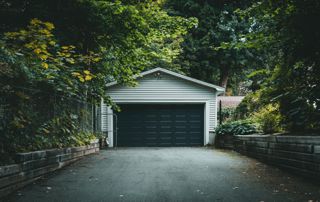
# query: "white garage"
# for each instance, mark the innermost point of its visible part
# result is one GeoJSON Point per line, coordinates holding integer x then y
{"type": "Point", "coordinates": [164, 109]}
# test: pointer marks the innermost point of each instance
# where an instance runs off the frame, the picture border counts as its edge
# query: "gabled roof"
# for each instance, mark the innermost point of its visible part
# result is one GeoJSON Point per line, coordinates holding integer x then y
{"type": "Point", "coordinates": [158, 69]}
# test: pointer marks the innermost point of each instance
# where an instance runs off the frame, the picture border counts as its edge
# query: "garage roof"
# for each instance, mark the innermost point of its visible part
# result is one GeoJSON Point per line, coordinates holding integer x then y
{"type": "Point", "coordinates": [158, 69]}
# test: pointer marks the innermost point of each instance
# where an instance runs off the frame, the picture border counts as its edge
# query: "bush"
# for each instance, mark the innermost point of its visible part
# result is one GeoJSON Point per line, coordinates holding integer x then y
{"type": "Point", "coordinates": [269, 118]}
{"type": "Point", "coordinates": [250, 104]}
{"type": "Point", "coordinates": [244, 127]}
{"type": "Point", "coordinates": [228, 114]}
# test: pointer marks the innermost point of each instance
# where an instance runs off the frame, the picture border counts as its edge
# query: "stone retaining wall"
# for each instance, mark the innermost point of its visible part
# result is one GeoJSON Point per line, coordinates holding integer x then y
{"type": "Point", "coordinates": [32, 165]}
{"type": "Point", "coordinates": [300, 154]}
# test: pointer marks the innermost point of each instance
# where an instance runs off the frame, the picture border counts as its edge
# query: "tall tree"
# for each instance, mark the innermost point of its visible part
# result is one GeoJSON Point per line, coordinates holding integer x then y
{"type": "Point", "coordinates": [285, 32]}
{"type": "Point", "coordinates": [54, 51]}
{"type": "Point", "coordinates": [128, 35]}
{"type": "Point", "coordinates": [217, 23]}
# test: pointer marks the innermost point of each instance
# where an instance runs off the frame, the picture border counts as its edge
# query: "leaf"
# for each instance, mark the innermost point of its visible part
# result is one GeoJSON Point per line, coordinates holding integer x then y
{"type": "Point", "coordinates": [44, 65]}
{"type": "Point", "coordinates": [88, 77]}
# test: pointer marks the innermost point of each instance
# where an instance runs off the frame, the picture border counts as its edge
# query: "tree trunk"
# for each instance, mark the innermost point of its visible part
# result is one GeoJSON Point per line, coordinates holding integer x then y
{"type": "Point", "coordinates": [224, 76]}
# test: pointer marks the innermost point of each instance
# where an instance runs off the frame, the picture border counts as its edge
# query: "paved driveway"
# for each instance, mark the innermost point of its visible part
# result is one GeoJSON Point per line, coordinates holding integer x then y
{"type": "Point", "coordinates": [168, 174]}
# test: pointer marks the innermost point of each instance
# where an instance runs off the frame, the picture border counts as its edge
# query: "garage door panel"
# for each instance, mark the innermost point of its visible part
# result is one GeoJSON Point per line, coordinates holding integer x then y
{"type": "Point", "coordinates": [160, 125]}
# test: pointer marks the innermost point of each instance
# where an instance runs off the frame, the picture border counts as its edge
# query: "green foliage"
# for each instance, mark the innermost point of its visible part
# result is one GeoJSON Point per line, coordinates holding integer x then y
{"type": "Point", "coordinates": [130, 35]}
{"type": "Point", "coordinates": [201, 57]}
{"type": "Point", "coordinates": [249, 105]}
{"type": "Point", "coordinates": [111, 41]}
{"type": "Point", "coordinates": [279, 33]}
{"type": "Point", "coordinates": [269, 119]}
{"type": "Point", "coordinates": [243, 127]}
{"type": "Point", "coordinates": [59, 67]}
{"type": "Point", "coordinates": [37, 73]}
{"type": "Point", "coordinates": [228, 114]}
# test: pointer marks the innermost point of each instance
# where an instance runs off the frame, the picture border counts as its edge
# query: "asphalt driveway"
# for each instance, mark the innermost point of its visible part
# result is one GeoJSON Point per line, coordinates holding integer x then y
{"type": "Point", "coordinates": [168, 174]}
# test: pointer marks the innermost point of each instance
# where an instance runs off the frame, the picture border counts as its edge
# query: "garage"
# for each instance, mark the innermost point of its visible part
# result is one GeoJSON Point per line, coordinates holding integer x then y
{"type": "Point", "coordinates": [164, 109]}
{"type": "Point", "coordinates": [159, 125]}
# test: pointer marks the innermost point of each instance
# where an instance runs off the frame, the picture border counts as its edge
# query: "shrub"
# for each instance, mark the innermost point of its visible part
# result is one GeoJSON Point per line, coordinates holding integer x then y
{"type": "Point", "coordinates": [228, 114]}
{"type": "Point", "coordinates": [249, 104]}
{"type": "Point", "coordinates": [243, 127]}
{"type": "Point", "coordinates": [269, 118]}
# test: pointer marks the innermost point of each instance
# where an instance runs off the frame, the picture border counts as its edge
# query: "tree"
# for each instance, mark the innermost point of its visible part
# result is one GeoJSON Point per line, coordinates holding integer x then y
{"type": "Point", "coordinates": [202, 55]}
{"type": "Point", "coordinates": [89, 44]}
{"type": "Point", "coordinates": [133, 35]}
{"type": "Point", "coordinates": [285, 32]}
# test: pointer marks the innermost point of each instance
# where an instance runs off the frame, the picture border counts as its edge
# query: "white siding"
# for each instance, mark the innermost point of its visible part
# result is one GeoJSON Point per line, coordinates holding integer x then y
{"type": "Point", "coordinates": [104, 117]}
{"type": "Point", "coordinates": [168, 89]}
{"type": "Point", "coordinates": [212, 115]}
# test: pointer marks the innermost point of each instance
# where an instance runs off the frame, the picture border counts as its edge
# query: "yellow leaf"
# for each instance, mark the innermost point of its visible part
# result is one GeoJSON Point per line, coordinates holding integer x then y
{"type": "Point", "coordinates": [44, 65]}
{"type": "Point", "coordinates": [86, 72]}
{"type": "Point", "coordinates": [81, 79]}
{"type": "Point", "coordinates": [43, 46]}
{"type": "Point", "coordinates": [88, 77]}
{"type": "Point", "coordinates": [43, 57]}
{"type": "Point", "coordinates": [52, 43]}
{"type": "Point", "coordinates": [49, 25]}
{"type": "Point", "coordinates": [70, 60]}
{"type": "Point", "coordinates": [37, 50]}
{"type": "Point", "coordinates": [35, 21]}
{"type": "Point", "coordinates": [29, 45]}
{"type": "Point", "coordinates": [75, 73]}
{"type": "Point", "coordinates": [96, 59]}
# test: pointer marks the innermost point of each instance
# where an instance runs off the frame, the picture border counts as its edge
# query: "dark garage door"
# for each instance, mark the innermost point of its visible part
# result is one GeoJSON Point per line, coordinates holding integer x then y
{"type": "Point", "coordinates": [160, 125]}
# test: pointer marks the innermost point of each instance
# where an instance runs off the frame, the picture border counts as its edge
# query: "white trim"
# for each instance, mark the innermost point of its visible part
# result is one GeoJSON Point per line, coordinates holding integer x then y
{"type": "Point", "coordinates": [110, 126]}
{"type": "Point", "coordinates": [216, 112]}
{"type": "Point", "coordinates": [158, 69]}
{"type": "Point", "coordinates": [206, 123]}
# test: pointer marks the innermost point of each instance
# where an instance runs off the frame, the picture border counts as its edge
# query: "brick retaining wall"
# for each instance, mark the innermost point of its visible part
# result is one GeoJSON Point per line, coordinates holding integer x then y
{"type": "Point", "coordinates": [32, 165]}
{"type": "Point", "coordinates": [300, 154]}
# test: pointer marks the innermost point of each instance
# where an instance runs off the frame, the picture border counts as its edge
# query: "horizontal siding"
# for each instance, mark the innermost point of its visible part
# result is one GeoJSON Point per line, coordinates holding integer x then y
{"type": "Point", "coordinates": [212, 115]}
{"type": "Point", "coordinates": [104, 117]}
{"type": "Point", "coordinates": [166, 89]}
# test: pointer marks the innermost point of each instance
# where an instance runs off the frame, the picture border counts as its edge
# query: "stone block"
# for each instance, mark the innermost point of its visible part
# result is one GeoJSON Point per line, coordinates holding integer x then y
{"type": "Point", "coordinates": [38, 155]}
{"type": "Point", "coordinates": [257, 144]}
{"type": "Point", "coordinates": [21, 157]}
{"type": "Point", "coordinates": [77, 154]}
{"type": "Point", "coordinates": [9, 170]}
{"type": "Point", "coordinates": [304, 148]}
{"type": "Point", "coordinates": [316, 149]}
{"type": "Point", "coordinates": [54, 152]}
{"type": "Point", "coordinates": [53, 159]}
{"type": "Point", "coordinates": [67, 150]}
{"type": "Point", "coordinates": [34, 164]}
{"type": "Point", "coordinates": [299, 139]}
{"type": "Point", "coordinates": [65, 157]}
{"type": "Point", "coordinates": [295, 155]}
{"type": "Point", "coordinates": [77, 149]}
